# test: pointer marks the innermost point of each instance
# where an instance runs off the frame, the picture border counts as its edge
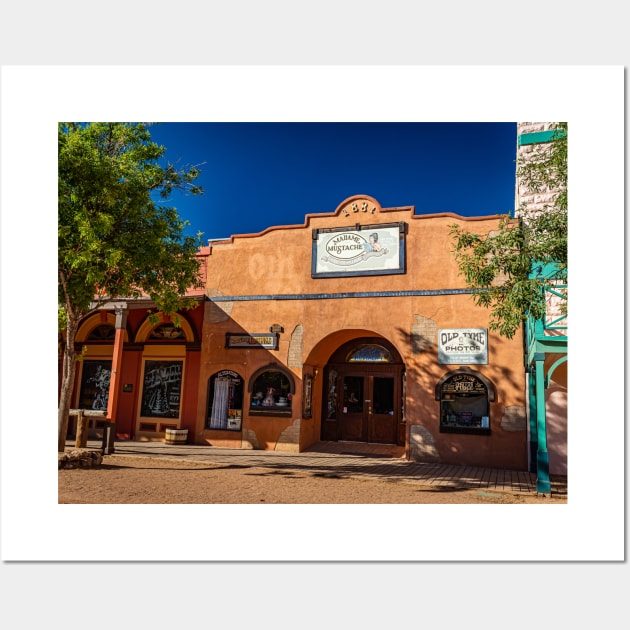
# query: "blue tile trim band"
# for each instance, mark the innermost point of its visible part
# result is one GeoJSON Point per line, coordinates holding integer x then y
{"type": "Point", "coordinates": [338, 296]}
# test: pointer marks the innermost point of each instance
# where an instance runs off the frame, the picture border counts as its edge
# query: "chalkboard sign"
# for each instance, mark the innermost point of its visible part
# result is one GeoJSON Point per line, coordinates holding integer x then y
{"type": "Point", "coordinates": [161, 392]}
{"type": "Point", "coordinates": [95, 385]}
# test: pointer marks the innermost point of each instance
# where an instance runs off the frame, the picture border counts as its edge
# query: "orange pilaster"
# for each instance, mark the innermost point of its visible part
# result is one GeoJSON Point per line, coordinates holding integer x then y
{"type": "Point", "coordinates": [114, 382]}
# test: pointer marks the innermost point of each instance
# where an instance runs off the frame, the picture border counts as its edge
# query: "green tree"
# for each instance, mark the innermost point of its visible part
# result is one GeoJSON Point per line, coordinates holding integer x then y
{"type": "Point", "coordinates": [117, 237]}
{"type": "Point", "coordinates": [504, 266]}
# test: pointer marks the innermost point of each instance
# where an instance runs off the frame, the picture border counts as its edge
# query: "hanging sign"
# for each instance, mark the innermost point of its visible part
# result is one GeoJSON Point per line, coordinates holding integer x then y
{"type": "Point", "coordinates": [361, 250]}
{"type": "Point", "coordinates": [463, 346]}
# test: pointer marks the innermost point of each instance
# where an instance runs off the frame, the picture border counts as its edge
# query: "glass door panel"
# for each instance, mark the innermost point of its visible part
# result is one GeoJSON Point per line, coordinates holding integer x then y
{"type": "Point", "coordinates": [382, 413]}
{"type": "Point", "coordinates": [383, 395]}
{"type": "Point", "coordinates": [352, 416]}
{"type": "Point", "coordinates": [353, 394]}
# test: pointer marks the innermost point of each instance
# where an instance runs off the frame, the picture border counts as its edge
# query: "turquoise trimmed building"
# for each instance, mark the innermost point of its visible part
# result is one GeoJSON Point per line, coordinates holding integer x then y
{"type": "Point", "coordinates": [546, 340]}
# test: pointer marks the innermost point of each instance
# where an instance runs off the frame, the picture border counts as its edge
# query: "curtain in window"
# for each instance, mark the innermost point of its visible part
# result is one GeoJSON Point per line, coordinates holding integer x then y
{"type": "Point", "coordinates": [218, 417]}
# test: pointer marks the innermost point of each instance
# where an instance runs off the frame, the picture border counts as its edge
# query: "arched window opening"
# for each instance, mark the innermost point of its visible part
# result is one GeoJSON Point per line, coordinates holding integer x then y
{"type": "Point", "coordinates": [464, 404]}
{"type": "Point", "coordinates": [166, 332]}
{"type": "Point", "coordinates": [272, 392]}
{"type": "Point", "coordinates": [104, 332]}
{"type": "Point", "coordinates": [158, 328]}
{"type": "Point", "coordinates": [370, 353]}
{"type": "Point", "coordinates": [225, 401]}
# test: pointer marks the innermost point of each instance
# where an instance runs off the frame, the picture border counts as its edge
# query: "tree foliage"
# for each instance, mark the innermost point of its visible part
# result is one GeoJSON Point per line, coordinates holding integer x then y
{"type": "Point", "coordinates": [504, 267]}
{"type": "Point", "coordinates": [117, 235]}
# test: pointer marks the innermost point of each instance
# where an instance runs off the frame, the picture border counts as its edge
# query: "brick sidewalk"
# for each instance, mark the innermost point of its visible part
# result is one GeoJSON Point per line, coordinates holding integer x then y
{"type": "Point", "coordinates": [337, 459]}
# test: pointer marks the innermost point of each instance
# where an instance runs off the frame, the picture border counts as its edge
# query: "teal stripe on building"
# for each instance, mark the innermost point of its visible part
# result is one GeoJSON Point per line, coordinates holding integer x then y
{"type": "Point", "coordinates": [537, 137]}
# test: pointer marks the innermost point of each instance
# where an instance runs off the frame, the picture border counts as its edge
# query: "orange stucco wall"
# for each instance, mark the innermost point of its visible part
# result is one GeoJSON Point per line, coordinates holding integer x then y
{"type": "Point", "coordinates": [278, 262]}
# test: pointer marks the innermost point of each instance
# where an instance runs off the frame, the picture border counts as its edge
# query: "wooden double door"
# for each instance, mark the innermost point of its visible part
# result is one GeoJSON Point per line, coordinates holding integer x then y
{"type": "Point", "coordinates": [367, 405]}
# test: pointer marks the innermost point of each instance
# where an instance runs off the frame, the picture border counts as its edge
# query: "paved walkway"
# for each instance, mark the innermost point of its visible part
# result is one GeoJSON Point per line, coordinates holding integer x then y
{"type": "Point", "coordinates": [347, 459]}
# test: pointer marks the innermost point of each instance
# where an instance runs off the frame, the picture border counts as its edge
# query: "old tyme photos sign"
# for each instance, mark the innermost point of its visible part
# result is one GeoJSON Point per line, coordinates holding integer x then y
{"type": "Point", "coordinates": [463, 346]}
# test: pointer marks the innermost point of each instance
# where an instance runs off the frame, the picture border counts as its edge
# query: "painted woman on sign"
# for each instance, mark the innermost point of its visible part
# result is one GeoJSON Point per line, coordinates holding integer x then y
{"type": "Point", "coordinates": [374, 246]}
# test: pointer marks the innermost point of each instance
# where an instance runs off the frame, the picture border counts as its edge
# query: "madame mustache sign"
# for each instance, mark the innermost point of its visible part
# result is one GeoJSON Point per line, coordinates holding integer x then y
{"type": "Point", "coordinates": [362, 250]}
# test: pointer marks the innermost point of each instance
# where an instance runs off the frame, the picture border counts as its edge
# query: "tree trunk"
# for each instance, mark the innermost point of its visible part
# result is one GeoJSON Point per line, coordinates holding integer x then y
{"type": "Point", "coordinates": [67, 381]}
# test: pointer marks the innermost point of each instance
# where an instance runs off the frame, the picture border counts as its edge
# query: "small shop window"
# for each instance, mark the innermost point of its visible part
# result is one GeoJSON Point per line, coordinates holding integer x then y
{"type": "Point", "coordinates": [225, 401]}
{"type": "Point", "coordinates": [464, 405]}
{"type": "Point", "coordinates": [95, 385]}
{"type": "Point", "coordinates": [271, 393]}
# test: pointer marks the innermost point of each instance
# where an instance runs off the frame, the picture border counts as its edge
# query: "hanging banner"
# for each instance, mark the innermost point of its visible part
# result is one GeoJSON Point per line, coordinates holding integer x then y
{"type": "Point", "coordinates": [463, 346]}
{"type": "Point", "coordinates": [361, 250]}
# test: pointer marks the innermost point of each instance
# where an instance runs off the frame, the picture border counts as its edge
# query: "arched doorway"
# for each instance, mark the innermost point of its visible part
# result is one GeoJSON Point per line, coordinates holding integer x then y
{"type": "Point", "coordinates": [363, 393]}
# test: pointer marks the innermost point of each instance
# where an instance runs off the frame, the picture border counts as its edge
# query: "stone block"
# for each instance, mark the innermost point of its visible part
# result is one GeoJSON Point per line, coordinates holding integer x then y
{"type": "Point", "coordinates": [80, 458]}
{"type": "Point", "coordinates": [514, 418]}
{"type": "Point", "coordinates": [423, 334]}
{"type": "Point", "coordinates": [216, 312]}
{"type": "Point", "coordinates": [422, 446]}
{"type": "Point", "coordinates": [294, 359]}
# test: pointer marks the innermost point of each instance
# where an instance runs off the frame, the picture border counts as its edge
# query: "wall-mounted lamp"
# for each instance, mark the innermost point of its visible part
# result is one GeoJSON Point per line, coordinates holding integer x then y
{"type": "Point", "coordinates": [315, 372]}
{"type": "Point", "coordinates": [276, 328]}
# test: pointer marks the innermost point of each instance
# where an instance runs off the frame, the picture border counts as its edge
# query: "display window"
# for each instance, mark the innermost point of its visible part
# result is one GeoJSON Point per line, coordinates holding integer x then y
{"type": "Point", "coordinates": [271, 392]}
{"type": "Point", "coordinates": [225, 401]}
{"type": "Point", "coordinates": [464, 404]}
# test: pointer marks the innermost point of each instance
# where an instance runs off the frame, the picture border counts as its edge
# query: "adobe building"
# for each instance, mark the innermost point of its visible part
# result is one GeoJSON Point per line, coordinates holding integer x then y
{"type": "Point", "coordinates": [355, 327]}
{"type": "Point", "coordinates": [158, 371]}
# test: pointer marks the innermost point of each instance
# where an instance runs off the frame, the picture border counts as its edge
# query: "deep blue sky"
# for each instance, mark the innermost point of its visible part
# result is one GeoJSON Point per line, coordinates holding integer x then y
{"type": "Point", "coordinates": [256, 175]}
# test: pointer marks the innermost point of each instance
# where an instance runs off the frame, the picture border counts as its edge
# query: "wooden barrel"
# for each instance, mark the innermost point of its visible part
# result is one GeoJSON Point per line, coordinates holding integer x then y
{"type": "Point", "coordinates": [176, 436]}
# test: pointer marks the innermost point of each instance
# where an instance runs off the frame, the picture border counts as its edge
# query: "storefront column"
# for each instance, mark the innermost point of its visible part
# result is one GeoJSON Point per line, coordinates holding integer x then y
{"type": "Point", "coordinates": [543, 484]}
{"type": "Point", "coordinates": [532, 415]}
{"type": "Point", "coordinates": [114, 382]}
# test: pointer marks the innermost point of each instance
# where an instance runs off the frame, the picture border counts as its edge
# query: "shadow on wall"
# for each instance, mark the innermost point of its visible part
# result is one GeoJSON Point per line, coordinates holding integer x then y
{"type": "Point", "coordinates": [250, 394]}
{"type": "Point", "coordinates": [557, 401]}
{"type": "Point", "coordinates": [423, 373]}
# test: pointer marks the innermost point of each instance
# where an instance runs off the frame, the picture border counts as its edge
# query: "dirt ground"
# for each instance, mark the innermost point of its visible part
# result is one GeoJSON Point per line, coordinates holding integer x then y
{"type": "Point", "coordinates": [123, 479]}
